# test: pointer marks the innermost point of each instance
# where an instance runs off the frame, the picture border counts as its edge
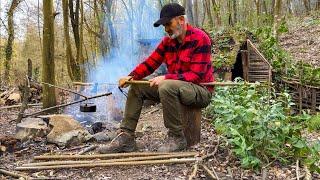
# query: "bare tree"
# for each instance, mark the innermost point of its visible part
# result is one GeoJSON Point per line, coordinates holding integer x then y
{"type": "Point", "coordinates": [10, 40]}
{"type": "Point", "coordinates": [72, 65]}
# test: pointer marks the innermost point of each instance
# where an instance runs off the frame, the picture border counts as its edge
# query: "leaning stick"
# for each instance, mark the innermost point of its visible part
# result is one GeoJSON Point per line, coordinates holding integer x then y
{"type": "Point", "coordinates": [13, 174]}
{"type": "Point", "coordinates": [53, 163]}
{"type": "Point", "coordinates": [205, 84]}
{"type": "Point", "coordinates": [114, 155]}
{"type": "Point", "coordinates": [129, 163]}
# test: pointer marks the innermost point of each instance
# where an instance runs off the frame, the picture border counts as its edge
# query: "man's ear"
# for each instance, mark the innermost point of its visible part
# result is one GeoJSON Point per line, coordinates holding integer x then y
{"type": "Point", "coordinates": [182, 19]}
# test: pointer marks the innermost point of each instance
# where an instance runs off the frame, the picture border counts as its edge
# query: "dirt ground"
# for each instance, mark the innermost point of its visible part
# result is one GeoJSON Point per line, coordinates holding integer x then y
{"type": "Point", "coordinates": [151, 134]}
{"type": "Point", "coordinates": [303, 40]}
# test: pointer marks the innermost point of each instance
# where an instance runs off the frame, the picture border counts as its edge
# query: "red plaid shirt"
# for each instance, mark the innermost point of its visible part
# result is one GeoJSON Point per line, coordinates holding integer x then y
{"type": "Point", "coordinates": [189, 61]}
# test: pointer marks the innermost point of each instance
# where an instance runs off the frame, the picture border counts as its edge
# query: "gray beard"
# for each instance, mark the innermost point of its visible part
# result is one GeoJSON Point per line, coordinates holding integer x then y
{"type": "Point", "coordinates": [174, 35]}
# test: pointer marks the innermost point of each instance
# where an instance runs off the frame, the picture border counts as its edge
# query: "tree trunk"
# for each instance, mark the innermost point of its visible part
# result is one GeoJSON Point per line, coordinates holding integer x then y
{"type": "Point", "coordinates": [75, 24]}
{"type": "Point", "coordinates": [289, 7]}
{"type": "Point", "coordinates": [216, 10]}
{"type": "Point", "coordinates": [196, 13]}
{"type": "Point", "coordinates": [318, 5]}
{"type": "Point", "coordinates": [277, 17]}
{"type": "Point", "coordinates": [48, 75]}
{"type": "Point", "coordinates": [10, 40]}
{"type": "Point", "coordinates": [230, 21]}
{"type": "Point", "coordinates": [264, 6]}
{"type": "Point", "coordinates": [209, 14]}
{"type": "Point", "coordinates": [258, 4]}
{"type": "Point", "coordinates": [72, 65]}
{"type": "Point", "coordinates": [81, 47]}
{"type": "Point", "coordinates": [190, 12]}
{"type": "Point", "coordinates": [235, 12]}
{"type": "Point", "coordinates": [306, 4]}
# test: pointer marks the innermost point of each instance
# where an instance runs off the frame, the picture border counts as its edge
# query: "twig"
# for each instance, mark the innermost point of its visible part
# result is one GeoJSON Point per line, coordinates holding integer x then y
{"type": "Point", "coordinates": [129, 163]}
{"type": "Point", "coordinates": [214, 172]}
{"type": "Point", "coordinates": [87, 149]}
{"type": "Point", "coordinates": [208, 171]}
{"type": "Point", "coordinates": [113, 155]}
{"type": "Point", "coordinates": [297, 169]}
{"type": "Point", "coordinates": [13, 174]}
{"type": "Point", "coordinates": [195, 170]}
{"type": "Point", "coordinates": [214, 151]}
{"type": "Point", "coordinates": [157, 157]}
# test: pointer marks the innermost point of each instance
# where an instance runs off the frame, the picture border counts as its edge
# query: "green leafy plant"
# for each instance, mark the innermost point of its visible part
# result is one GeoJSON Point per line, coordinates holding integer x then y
{"type": "Point", "coordinates": [257, 123]}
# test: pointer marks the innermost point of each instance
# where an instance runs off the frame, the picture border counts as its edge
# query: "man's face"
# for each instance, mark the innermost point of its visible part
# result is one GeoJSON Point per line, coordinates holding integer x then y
{"type": "Point", "coordinates": [174, 27]}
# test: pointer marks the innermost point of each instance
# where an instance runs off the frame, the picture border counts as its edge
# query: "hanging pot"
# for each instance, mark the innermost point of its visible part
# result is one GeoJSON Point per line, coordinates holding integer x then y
{"type": "Point", "coordinates": [88, 107]}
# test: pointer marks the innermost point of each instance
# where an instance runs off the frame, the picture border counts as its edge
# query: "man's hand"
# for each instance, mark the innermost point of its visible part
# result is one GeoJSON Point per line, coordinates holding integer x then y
{"type": "Point", "coordinates": [123, 80]}
{"type": "Point", "coordinates": [156, 81]}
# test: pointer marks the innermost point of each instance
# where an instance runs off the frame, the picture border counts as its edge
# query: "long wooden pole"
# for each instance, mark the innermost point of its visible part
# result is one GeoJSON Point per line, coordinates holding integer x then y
{"type": "Point", "coordinates": [129, 163]}
{"type": "Point", "coordinates": [204, 84]}
{"type": "Point", "coordinates": [157, 157]}
{"type": "Point", "coordinates": [113, 155]}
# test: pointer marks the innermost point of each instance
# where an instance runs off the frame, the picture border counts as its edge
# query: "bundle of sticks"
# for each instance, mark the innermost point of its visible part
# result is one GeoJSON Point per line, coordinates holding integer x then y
{"type": "Point", "coordinates": [105, 160]}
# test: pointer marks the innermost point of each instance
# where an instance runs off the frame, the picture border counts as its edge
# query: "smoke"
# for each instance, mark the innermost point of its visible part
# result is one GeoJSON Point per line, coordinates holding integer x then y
{"type": "Point", "coordinates": [132, 23]}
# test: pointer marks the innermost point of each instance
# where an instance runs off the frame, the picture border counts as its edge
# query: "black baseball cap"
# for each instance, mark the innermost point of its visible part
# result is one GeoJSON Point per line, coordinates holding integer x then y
{"type": "Point", "coordinates": [168, 12]}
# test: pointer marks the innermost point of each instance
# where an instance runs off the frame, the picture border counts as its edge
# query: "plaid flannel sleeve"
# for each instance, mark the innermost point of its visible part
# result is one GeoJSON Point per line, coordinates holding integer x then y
{"type": "Point", "coordinates": [150, 64]}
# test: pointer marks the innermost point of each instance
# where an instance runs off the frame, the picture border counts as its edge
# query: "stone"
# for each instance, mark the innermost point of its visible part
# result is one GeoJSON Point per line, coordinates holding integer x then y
{"type": "Point", "coordinates": [13, 98]}
{"type": "Point", "coordinates": [66, 131]}
{"type": "Point", "coordinates": [104, 136]}
{"type": "Point", "coordinates": [31, 128]}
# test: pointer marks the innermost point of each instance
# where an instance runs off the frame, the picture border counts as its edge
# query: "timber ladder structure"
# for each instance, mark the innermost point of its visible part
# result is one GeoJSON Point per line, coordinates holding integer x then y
{"type": "Point", "coordinates": [257, 68]}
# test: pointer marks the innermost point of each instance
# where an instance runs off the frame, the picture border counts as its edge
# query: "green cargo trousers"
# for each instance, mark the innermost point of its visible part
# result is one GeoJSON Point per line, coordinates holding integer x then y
{"type": "Point", "coordinates": [172, 94]}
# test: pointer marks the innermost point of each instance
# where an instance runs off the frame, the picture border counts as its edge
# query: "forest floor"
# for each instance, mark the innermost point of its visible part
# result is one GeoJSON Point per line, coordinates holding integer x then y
{"type": "Point", "coordinates": [224, 163]}
{"type": "Point", "coordinates": [302, 41]}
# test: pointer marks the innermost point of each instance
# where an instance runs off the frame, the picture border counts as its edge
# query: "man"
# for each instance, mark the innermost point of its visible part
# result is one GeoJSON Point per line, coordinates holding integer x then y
{"type": "Point", "coordinates": [186, 52]}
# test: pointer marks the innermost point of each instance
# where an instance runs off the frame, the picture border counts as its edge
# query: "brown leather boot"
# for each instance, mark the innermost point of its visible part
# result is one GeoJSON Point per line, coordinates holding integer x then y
{"type": "Point", "coordinates": [174, 143]}
{"type": "Point", "coordinates": [123, 142]}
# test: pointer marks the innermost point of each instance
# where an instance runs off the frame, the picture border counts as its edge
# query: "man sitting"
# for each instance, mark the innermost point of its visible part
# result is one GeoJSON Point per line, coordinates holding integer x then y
{"type": "Point", "coordinates": [186, 51]}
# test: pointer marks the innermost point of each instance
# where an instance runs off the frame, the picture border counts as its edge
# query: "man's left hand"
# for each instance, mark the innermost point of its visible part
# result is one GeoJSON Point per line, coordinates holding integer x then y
{"type": "Point", "coordinates": [156, 81]}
